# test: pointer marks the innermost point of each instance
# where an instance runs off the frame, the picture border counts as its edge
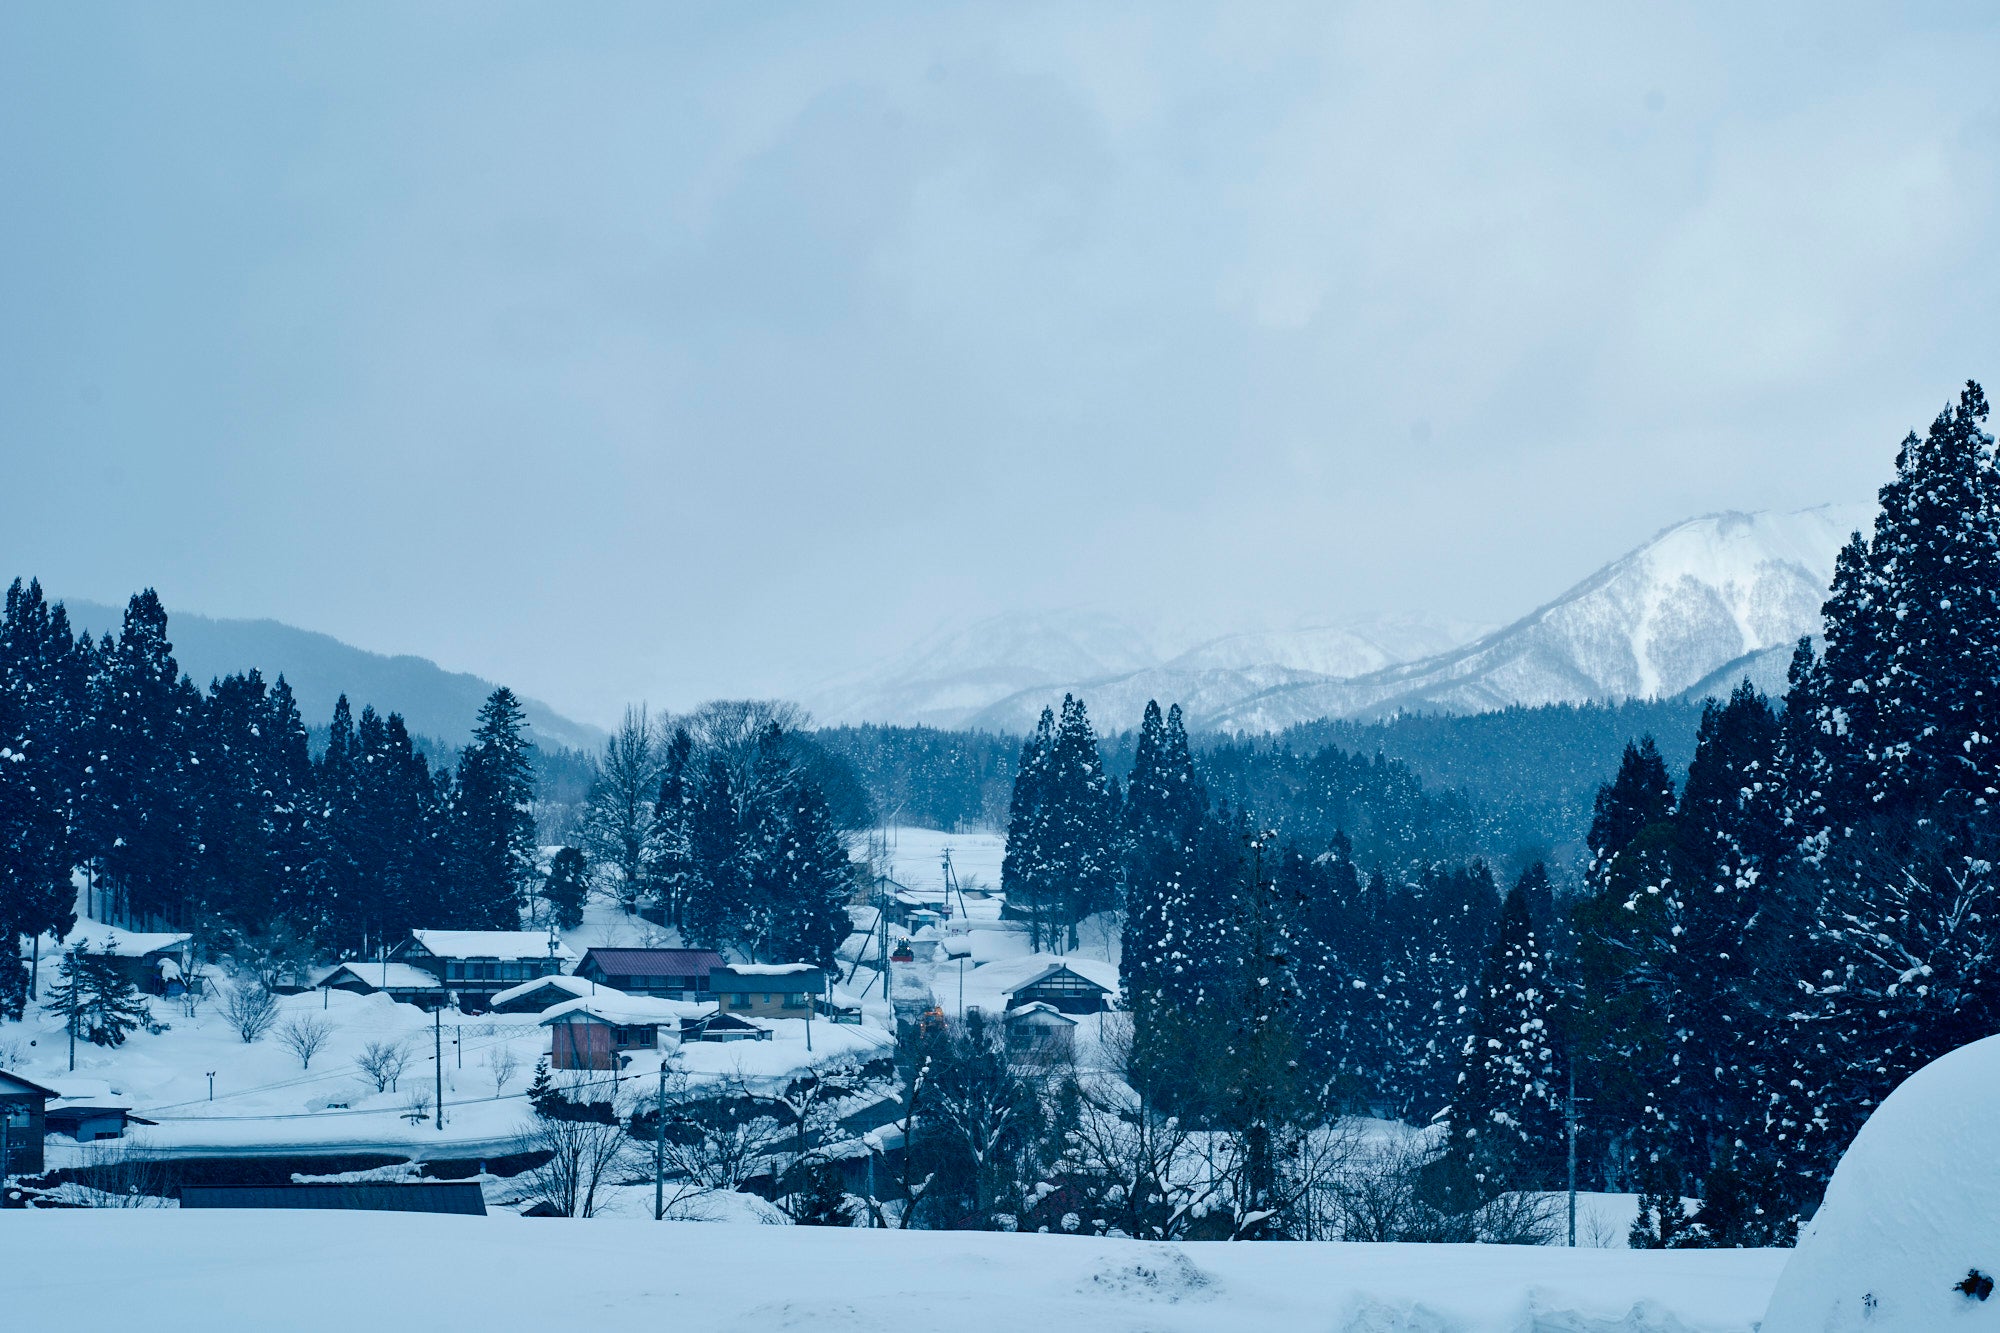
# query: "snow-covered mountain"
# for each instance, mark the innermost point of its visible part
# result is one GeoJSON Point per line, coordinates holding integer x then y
{"type": "Point", "coordinates": [998, 674]}
{"type": "Point", "coordinates": [947, 678]}
{"type": "Point", "coordinates": [1693, 610]}
{"type": "Point", "coordinates": [1725, 590]}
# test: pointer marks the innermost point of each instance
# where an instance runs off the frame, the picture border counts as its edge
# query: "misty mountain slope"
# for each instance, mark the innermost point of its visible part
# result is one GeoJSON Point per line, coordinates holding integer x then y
{"type": "Point", "coordinates": [949, 677]}
{"type": "Point", "coordinates": [436, 703]}
{"type": "Point", "coordinates": [998, 674]}
{"type": "Point", "coordinates": [1338, 651]}
{"type": "Point", "coordinates": [1654, 623]}
{"type": "Point", "coordinates": [1119, 702]}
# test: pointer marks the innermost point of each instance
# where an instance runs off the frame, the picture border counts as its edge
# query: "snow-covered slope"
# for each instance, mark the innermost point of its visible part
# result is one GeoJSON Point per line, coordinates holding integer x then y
{"type": "Point", "coordinates": [1911, 1220]}
{"type": "Point", "coordinates": [1702, 594]}
{"type": "Point", "coordinates": [306, 1271]}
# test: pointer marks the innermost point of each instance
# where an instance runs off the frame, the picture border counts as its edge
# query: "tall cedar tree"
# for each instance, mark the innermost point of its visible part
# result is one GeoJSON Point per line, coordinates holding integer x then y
{"type": "Point", "coordinates": [1027, 870]}
{"type": "Point", "coordinates": [1504, 1122]}
{"type": "Point", "coordinates": [669, 850]}
{"type": "Point", "coordinates": [494, 820]}
{"type": "Point", "coordinates": [43, 676]}
{"type": "Point", "coordinates": [139, 805]}
{"type": "Point", "coordinates": [566, 887]}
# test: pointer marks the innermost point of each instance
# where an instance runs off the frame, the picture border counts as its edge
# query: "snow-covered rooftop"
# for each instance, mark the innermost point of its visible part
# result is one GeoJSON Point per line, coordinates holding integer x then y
{"type": "Point", "coordinates": [558, 980]}
{"type": "Point", "coordinates": [382, 976]}
{"type": "Point", "coordinates": [96, 937]}
{"type": "Point", "coordinates": [512, 944]}
{"type": "Point", "coordinates": [612, 1007]}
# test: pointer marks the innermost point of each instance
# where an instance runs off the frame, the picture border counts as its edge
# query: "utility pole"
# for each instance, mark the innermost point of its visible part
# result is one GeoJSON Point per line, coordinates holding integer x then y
{"type": "Point", "coordinates": [660, 1147]}
{"type": "Point", "coordinates": [1569, 1129]}
{"type": "Point", "coordinates": [437, 1058]}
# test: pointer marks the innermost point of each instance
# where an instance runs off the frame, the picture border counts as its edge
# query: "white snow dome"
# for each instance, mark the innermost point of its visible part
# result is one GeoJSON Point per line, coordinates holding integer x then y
{"type": "Point", "coordinates": [1908, 1239]}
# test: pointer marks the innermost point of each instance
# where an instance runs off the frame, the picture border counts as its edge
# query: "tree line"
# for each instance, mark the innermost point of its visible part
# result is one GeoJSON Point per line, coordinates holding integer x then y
{"type": "Point", "coordinates": [208, 810]}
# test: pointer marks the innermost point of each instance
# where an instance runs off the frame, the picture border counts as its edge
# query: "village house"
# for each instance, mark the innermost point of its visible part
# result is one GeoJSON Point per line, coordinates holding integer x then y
{"type": "Point", "coordinates": [156, 961]}
{"type": "Point", "coordinates": [399, 981]}
{"type": "Point", "coordinates": [768, 990]}
{"type": "Point", "coordinates": [672, 974]}
{"type": "Point", "coordinates": [600, 1032]}
{"type": "Point", "coordinates": [1062, 988]}
{"type": "Point", "coordinates": [22, 1124]}
{"type": "Point", "coordinates": [475, 965]}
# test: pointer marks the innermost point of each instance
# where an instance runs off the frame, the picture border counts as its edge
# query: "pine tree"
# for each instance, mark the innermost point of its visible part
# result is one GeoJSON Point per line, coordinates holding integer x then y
{"type": "Point", "coordinates": [98, 1003]}
{"type": "Point", "coordinates": [494, 819]}
{"type": "Point", "coordinates": [138, 800]}
{"type": "Point", "coordinates": [1164, 806]}
{"type": "Point", "coordinates": [716, 903]}
{"type": "Point", "coordinates": [1027, 874]}
{"type": "Point", "coordinates": [566, 887]}
{"type": "Point", "coordinates": [669, 840]}
{"type": "Point", "coordinates": [815, 886]}
{"type": "Point", "coordinates": [1504, 1118]}
{"type": "Point", "coordinates": [42, 735]}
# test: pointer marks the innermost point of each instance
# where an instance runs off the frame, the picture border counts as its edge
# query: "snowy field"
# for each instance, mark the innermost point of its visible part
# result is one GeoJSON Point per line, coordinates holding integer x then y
{"type": "Point", "coordinates": [916, 857]}
{"type": "Point", "coordinates": [388, 1272]}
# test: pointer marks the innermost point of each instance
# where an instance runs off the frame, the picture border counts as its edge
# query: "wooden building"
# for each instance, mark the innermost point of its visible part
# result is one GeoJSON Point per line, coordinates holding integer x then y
{"type": "Point", "coordinates": [673, 974]}
{"type": "Point", "coordinates": [22, 1124]}
{"type": "Point", "coordinates": [1040, 1033]}
{"type": "Point", "coordinates": [601, 1032]}
{"type": "Point", "coordinates": [475, 965]}
{"type": "Point", "coordinates": [460, 1197]}
{"type": "Point", "coordinates": [401, 982]}
{"type": "Point", "coordinates": [542, 994]}
{"type": "Point", "coordinates": [1063, 989]}
{"type": "Point", "coordinates": [768, 990]}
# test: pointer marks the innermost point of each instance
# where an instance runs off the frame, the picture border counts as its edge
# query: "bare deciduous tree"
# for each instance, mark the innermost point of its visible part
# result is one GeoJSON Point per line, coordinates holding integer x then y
{"type": "Point", "coordinates": [583, 1156]}
{"type": "Point", "coordinates": [250, 1007]}
{"type": "Point", "coordinates": [305, 1037]}
{"type": "Point", "coordinates": [502, 1064]}
{"type": "Point", "coordinates": [382, 1062]}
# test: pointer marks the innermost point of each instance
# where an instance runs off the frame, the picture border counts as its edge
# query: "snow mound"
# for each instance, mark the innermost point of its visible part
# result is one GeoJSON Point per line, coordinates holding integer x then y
{"type": "Point", "coordinates": [1161, 1275]}
{"type": "Point", "coordinates": [1912, 1215]}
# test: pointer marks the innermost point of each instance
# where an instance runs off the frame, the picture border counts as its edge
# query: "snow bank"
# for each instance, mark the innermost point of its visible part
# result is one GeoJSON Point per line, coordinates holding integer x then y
{"type": "Point", "coordinates": [308, 1271]}
{"type": "Point", "coordinates": [1912, 1212]}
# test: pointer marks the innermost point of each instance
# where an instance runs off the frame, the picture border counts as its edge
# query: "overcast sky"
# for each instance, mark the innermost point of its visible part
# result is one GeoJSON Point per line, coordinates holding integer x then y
{"type": "Point", "coordinates": [675, 350]}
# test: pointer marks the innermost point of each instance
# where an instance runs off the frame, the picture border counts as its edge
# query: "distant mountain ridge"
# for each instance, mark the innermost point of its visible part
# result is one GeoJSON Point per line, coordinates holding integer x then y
{"type": "Point", "coordinates": [435, 703]}
{"type": "Point", "coordinates": [1701, 604]}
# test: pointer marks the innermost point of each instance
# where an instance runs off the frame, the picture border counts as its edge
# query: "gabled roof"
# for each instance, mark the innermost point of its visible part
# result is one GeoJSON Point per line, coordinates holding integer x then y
{"type": "Point", "coordinates": [654, 962]}
{"type": "Point", "coordinates": [508, 944]}
{"type": "Point", "coordinates": [562, 981]}
{"type": "Point", "coordinates": [622, 1010]}
{"type": "Point", "coordinates": [1052, 970]}
{"type": "Point", "coordinates": [17, 1084]}
{"type": "Point", "coordinates": [383, 976]}
{"type": "Point", "coordinates": [721, 1022]}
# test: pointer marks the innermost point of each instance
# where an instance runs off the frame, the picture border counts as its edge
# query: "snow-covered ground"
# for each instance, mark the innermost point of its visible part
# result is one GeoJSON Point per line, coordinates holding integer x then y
{"type": "Point", "coordinates": [916, 857]}
{"type": "Point", "coordinates": [308, 1271]}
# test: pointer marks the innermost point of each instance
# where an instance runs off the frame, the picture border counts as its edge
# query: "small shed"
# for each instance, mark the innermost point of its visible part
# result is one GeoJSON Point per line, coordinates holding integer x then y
{"type": "Point", "coordinates": [769, 990]}
{"type": "Point", "coordinates": [22, 1124]}
{"type": "Point", "coordinates": [461, 1197]}
{"type": "Point", "coordinates": [90, 1111]}
{"type": "Point", "coordinates": [719, 1026]}
{"type": "Point", "coordinates": [1038, 1031]}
